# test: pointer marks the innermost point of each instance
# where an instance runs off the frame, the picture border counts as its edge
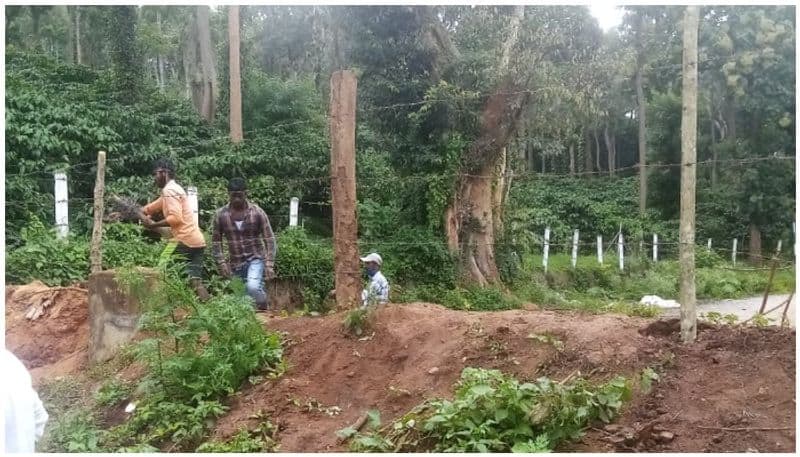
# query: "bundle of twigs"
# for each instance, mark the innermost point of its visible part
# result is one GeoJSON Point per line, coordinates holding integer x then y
{"type": "Point", "coordinates": [124, 209]}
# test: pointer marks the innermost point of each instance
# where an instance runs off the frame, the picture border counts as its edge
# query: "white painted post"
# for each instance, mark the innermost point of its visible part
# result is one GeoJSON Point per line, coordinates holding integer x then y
{"type": "Point", "coordinates": [546, 252]}
{"type": "Point", "coordinates": [293, 207]}
{"type": "Point", "coordinates": [709, 245]}
{"type": "Point", "coordinates": [62, 204]}
{"type": "Point", "coordinates": [575, 248]}
{"type": "Point", "coordinates": [600, 249]}
{"type": "Point", "coordinates": [655, 247]}
{"type": "Point", "coordinates": [621, 251]}
{"type": "Point", "coordinates": [794, 235]}
{"type": "Point", "coordinates": [733, 252]}
{"type": "Point", "coordinates": [778, 249]}
{"type": "Point", "coordinates": [191, 193]}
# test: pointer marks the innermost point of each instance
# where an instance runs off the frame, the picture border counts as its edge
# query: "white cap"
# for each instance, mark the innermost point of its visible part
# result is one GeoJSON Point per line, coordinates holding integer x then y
{"type": "Point", "coordinates": [373, 257]}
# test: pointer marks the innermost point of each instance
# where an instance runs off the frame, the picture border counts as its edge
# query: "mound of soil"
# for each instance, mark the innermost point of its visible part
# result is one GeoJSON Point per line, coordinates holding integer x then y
{"type": "Point", "coordinates": [417, 351]}
{"type": "Point", "coordinates": [732, 378]}
{"type": "Point", "coordinates": [733, 390]}
{"type": "Point", "coordinates": [57, 341]}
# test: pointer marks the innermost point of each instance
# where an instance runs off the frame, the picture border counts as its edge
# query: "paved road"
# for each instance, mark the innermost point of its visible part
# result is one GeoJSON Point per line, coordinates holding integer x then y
{"type": "Point", "coordinates": [745, 308]}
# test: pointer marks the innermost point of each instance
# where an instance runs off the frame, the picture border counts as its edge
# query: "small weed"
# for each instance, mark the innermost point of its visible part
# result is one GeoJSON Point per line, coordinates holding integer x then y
{"type": "Point", "coordinates": [649, 375]}
{"type": "Point", "coordinates": [633, 309]}
{"type": "Point", "coordinates": [730, 319]}
{"type": "Point", "coordinates": [112, 393]}
{"type": "Point", "coordinates": [547, 338]}
{"type": "Point", "coordinates": [761, 321]}
{"type": "Point", "coordinates": [356, 321]}
{"type": "Point", "coordinates": [76, 431]}
{"type": "Point", "coordinates": [260, 439]}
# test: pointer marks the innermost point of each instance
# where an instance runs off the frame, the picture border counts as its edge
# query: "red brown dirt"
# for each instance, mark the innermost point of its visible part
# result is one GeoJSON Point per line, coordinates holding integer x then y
{"type": "Point", "coordinates": [741, 379]}
{"type": "Point", "coordinates": [57, 342]}
{"type": "Point", "coordinates": [418, 352]}
{"type": "Point", "coordinates": [734, 378]}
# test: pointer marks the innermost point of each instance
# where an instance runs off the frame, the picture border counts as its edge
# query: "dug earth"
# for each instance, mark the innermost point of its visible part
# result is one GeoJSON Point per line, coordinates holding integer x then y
{"type": "Point", "coordinates": [733, 390]}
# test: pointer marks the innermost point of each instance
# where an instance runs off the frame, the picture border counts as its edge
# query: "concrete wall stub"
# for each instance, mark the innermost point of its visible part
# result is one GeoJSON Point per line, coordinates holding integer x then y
{"type": "Point", "coordinates": [113, 312]}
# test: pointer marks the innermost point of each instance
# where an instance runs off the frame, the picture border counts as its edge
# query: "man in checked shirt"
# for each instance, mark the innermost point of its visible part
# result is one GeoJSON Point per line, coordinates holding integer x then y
{"type": "Point", "coordinates": [251, 243]}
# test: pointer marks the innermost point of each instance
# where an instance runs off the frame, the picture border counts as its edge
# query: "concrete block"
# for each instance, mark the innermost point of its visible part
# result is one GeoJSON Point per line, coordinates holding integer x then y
{"type": "Point", "coordinates": [114, 312]}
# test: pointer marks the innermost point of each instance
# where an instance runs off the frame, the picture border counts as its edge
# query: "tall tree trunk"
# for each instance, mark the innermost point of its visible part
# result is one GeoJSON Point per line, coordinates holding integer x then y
{"type": "Point", "coordinates": [571, 159]}
{"type": "Point", "coordinates": [235, 78]}
{"type": "Point", "coordinates": [587, 155]}
{"type": "Point", "coordinates": [160, 58]}
{"type": "Point", "coordinates": [754, 244]}
{"type": "Point", "coordinates": [77, 38]}
{"type": "Point", "coordinates": [544, 163]}
{"type": "Point", "coordinates": [688, 176]}
{"type": "Point", "coordinates": [640, 100]}
{"type": "Point", "coordinates": [469, 220]}
{"type": "Point", "coordinates": [730, 116]}
{"type": "Point", "coordinates": [609, 151]}
{"type": "Point", "coordinates": [713, 145]}
{"type": "Point", "coordinates": [498, 191]}
{"type": "Point", "coordinates": [209, 73]}
{"type": "Point", "coordinates": [597, 149]}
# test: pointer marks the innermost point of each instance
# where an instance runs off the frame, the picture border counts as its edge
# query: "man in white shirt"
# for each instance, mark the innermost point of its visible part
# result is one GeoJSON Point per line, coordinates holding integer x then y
{"type": "Point", "coordinates": [24, 413]}
{"type": "Point", "coordinates": [377, 291]}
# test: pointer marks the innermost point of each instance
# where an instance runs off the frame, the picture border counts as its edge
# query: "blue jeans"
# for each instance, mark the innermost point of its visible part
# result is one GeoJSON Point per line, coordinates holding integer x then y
{"type": "Point", "coordinates": [252, 273]}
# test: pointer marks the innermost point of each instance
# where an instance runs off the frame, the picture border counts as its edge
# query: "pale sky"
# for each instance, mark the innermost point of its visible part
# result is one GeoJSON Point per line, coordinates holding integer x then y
{"type": "Point", "coordinates": [607, 15]}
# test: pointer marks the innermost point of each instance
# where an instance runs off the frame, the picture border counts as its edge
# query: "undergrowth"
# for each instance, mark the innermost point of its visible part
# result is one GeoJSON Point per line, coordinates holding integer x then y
{"type": "Point", "coordinates": [493, 412]}
{"type": "Point", "coordinates": [196, 355]}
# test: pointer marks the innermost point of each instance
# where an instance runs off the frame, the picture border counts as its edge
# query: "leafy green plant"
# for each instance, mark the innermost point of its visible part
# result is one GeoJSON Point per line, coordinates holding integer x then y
{"type": "Point", "coordinates": [547, 338]}
{"type": "Point", "coordinates": [648, 376]}
{"type": "Point", "coordinates": [193, 361]}
{"type": "Point", "coordinates": [112, 392]}
{"type": "Point", "coordinates": [356, 321]}
{"type": "Point", "coordinates": [761, 320]}
{"type": "Point", "coordinates": [76, 431]}
{"type": "Point", "coordinates": [492, 412]}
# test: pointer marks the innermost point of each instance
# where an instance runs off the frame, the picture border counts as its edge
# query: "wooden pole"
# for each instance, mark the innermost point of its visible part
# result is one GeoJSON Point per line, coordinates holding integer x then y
{"type": "Point", "coordinates": [96, 253]}
{"type": "Point", "coordinates": [343, 188]}
{"type": "Point", "coordinates": [687, 293]}
{"type": "Point", "coordinates": [786, 308]}
{"type": "Point", "coordinates": [769, 281]}
{"type": "Point", "coordinates": [235, 75]}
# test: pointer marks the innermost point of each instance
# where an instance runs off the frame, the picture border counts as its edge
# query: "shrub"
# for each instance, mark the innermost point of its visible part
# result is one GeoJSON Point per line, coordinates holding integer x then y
{"type": "Point", "coordinates": [493, 412]}
{"type": "Point", "coordinates": [308, 261]}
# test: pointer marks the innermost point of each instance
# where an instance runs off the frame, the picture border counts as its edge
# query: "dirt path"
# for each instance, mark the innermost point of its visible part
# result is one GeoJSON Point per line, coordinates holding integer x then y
{"type": "Point", "coordinates": [745, 308]}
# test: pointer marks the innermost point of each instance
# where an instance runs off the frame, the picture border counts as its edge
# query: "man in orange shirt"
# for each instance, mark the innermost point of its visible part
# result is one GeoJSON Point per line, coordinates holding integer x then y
{"type": "Point", "coordinates": [188, 241]}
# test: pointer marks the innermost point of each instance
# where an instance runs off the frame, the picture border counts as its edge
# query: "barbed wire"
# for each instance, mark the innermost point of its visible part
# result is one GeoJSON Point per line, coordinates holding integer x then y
{"type": "Point", "coordinates": [511, 174]}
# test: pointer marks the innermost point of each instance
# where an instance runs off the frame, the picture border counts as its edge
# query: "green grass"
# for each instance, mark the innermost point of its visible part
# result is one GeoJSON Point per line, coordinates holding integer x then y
{"type": "Point", "coordinates": [590, 281]}
{"type": "Point", "coordinates": [597, 288]}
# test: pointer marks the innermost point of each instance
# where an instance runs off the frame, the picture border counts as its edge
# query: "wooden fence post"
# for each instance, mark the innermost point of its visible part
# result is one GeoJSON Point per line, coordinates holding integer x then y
{"type": "Point", "coordinates": [347, 279]}
{"type": "Point", "coordinates": [96, 252]}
